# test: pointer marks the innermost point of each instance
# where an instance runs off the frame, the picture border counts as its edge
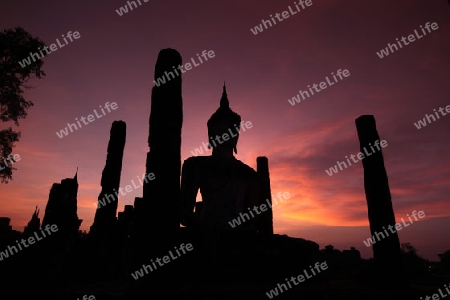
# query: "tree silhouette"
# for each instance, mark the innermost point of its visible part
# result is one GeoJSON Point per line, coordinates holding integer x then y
{"type": "Point", "coordinates": [15, 46]}
{"type": "Point", "coordinates": [408, 249]}
{"type": "Point", "coordinates": [445, 260]}
{"type": "Point", "coordinates": [414, 264]}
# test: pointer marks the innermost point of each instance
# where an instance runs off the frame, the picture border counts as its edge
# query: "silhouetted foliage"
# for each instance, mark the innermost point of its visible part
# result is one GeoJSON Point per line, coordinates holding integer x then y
{"type": "Point", "coordinates": [15, 45]}
{"type": "Point", "coordinates": [82, 234]}
{"type": "Point", "coordinates": [7, 139]}
{"type": "Point", "coordinates": [445, 260]}
{"type": "Point", "coordinates": [414, 264]}
{"type": "Point", "coordinates": [408, 249]}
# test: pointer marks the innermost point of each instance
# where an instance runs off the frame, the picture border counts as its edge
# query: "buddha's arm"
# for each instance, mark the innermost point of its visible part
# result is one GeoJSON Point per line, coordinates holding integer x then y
{"type": "Point", "coordinates": [189, 189]}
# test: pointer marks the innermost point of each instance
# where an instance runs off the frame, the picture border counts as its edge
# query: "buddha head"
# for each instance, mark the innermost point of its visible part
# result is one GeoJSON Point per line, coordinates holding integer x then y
{"type": "Point", "coordinates": [223, 127]}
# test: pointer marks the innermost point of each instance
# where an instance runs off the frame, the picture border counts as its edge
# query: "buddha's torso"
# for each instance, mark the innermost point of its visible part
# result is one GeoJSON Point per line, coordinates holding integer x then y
{"type": "Point", "coordinates": [226, 185]}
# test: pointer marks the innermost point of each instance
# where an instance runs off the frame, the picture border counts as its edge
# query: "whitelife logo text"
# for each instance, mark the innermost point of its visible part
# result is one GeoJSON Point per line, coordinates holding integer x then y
{"type": "Point", "coordinates": [27, 61]}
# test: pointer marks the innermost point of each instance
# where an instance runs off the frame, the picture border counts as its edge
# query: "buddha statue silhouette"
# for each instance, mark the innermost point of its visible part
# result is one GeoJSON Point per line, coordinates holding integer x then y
{"type": "Point", "coordinates": [228, 186]}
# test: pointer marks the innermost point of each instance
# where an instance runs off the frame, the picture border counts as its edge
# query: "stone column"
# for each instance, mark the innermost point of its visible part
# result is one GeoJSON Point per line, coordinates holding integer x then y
{"type": "Point", "coordinates": [103, 233]}
{"type": "Point", "coordinates": [265, 195]}
{"type": "Point", "coordinates": [164, 157]}
{"type": "Point", "coordinates": [156, 215]}
{"type": "Point", "coordinates": [376, 185]}
{"type": "Point", "coordinates": [389, 271]}
{"type": "Point", "coordinates": [105, 215]}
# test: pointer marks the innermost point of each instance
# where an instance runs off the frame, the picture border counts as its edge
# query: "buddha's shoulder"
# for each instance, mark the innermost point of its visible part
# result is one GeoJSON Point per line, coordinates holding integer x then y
{"type": "Point", "coordinates": [196, 160]}
{"type": "Point", "coordinates": [245, 168]}
{"type": "Point", "coordinates": [208, 160]}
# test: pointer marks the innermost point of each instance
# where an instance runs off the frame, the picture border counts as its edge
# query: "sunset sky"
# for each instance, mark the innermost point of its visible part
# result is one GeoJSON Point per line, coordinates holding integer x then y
{"type": "Point", "coordinates": [114, 59]}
